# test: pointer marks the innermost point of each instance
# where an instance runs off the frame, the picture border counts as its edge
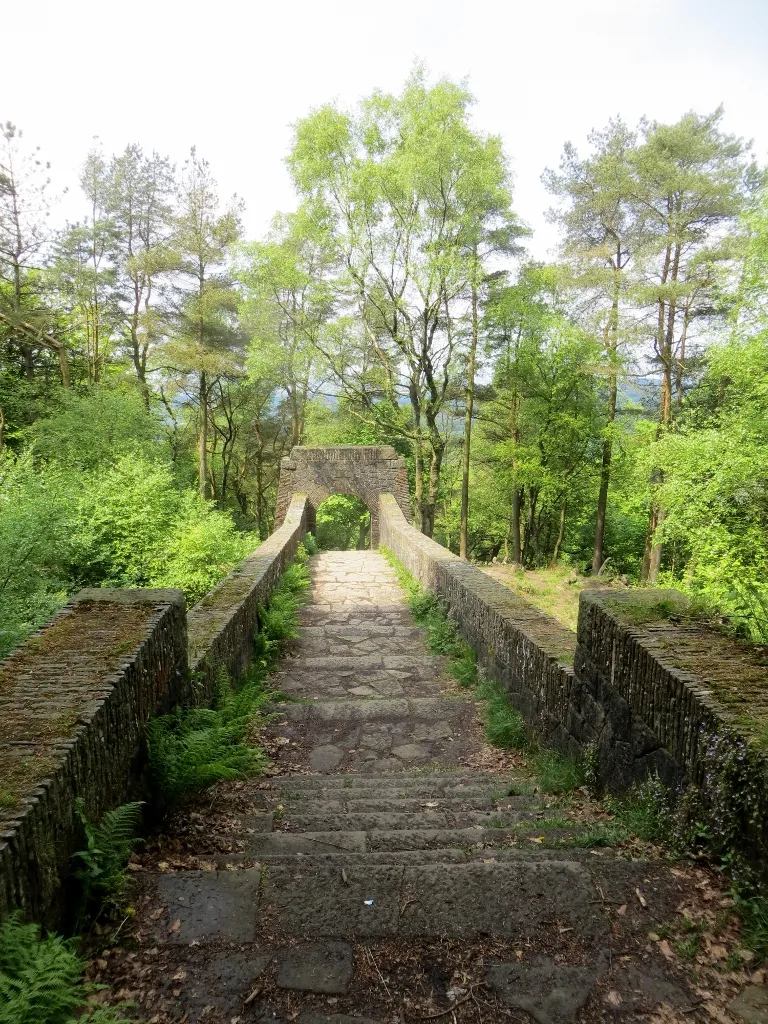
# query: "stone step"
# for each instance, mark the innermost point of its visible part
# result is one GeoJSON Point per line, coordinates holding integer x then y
{"type": "Point", "coordinates": [429, 708]}
{"type": "Point", "coordinates": [457, 781]}
{"type": "Point", "coordinates": [376, 900]}
{"type": "Point", "coordinates": [425, 666]}
{"type": "Point", "coordinates": [352, 821]}
{"type": "Point", "coordinates": [389, 840]}
{"type": "Point", "coordinates": [372, 685]}
{"type": "Point", "coordinates": [333, 802]}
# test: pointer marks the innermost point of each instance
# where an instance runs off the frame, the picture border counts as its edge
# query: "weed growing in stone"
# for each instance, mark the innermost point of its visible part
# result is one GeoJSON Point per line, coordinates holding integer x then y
{"type": "Point", "coordinates": [556, 773]}
{"type": "Point", "coordinates": [504, 725]}
{"type": "Point", "coordinates": [41, 980]}
{"type": "Point", "coordinates": [192, 748]}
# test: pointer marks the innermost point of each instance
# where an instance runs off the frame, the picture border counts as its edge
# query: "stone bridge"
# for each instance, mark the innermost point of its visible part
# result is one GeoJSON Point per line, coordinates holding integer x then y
{"type": "Point", "coordinates": [363, 471]}
{"type": "Point", "coordinates": [637, 691]}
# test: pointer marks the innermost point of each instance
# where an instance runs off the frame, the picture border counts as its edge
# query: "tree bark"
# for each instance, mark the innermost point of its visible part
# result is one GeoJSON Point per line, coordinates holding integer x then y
{"type": "Point", "coordinates": [598, 551]}
{"type": "Point", "coordinates": [203, 438]}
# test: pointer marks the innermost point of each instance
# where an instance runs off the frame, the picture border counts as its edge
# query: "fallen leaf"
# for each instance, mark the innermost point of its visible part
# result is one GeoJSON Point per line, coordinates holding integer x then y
{"type": "Point", "coordinates": [179, 976]}
{"type": "Point", "coordinates": [613, 998]}
{"type": "Point", "coordinates": [641, 898]}
{"type": "Point", "coordinates": [157, 913]}
{"type": "Point", "coordinates": [746, 955]}
{"type": "Point", "coordinates": [175, 926]}
{"type": "Point", "coordinates": [654, 937]}
{"type": "Point", "coordinates": [666, 949]}
{"type": "Point", "coordinates": [622, 910]}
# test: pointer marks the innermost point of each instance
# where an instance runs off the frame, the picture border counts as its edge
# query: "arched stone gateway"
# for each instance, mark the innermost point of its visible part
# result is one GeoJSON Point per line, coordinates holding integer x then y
{"type": "Point", "coordinates": [365, 471]}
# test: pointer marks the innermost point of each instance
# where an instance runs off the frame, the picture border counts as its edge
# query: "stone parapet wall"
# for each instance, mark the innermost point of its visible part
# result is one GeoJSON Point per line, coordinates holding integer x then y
{"type": "Point", "coordinates": [657, 686]}
{"type": "Point", "coordinates": [74, 699]}
{"type": "Point", "coordinates": [364, 471]}
{"type": "Point", "coordinates": [223, 624]}
{"type": "Point", "coordinates": [643, 686]}
{"type": "Point", "coordinates": [526, 651]}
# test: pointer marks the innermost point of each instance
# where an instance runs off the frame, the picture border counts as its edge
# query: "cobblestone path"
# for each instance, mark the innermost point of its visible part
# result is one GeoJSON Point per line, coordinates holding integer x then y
{"type": "Point", "coordinates": [393, 868]}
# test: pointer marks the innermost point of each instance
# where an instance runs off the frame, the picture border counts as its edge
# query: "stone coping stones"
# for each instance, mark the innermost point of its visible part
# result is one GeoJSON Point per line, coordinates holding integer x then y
{"type": "Point", "coordinates": [223, 624]}
{"type": "Point", "coordinates": [73, 702]}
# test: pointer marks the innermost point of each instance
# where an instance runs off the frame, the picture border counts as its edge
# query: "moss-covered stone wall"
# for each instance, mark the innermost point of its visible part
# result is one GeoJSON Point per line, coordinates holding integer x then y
{"type": "Point", "coordinates": [644, 686]}
{"type": "Point", "coordinates": [73, 702]}
{"type": "Point", "coordinates": [223, 624]}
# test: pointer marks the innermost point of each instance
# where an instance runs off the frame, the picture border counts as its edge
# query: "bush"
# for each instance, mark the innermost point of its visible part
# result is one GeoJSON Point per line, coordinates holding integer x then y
{"type": "Point", "coordinates": [35, 512]}
{"type": "Point", "coordinates": [91, 430]}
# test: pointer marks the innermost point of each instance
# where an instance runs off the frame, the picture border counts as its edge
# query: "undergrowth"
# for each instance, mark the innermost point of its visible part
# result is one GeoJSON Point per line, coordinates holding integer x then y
{"type": "Point", "coordinates": [41, 980]}
{"type": "Point", "coordinates": [192, 748]}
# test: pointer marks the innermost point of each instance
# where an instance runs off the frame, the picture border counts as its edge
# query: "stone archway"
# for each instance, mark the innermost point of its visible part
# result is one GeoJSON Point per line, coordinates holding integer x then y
{"type": "Point", "coordinates": [365, 471]}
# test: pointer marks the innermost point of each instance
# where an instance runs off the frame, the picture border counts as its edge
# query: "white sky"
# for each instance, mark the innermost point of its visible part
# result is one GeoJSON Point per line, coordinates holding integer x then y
{"type": "Point", "coordinates": [231, 77]}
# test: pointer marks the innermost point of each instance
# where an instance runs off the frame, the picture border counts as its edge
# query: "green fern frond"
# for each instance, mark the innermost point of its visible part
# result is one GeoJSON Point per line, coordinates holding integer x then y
{"type": "Point", "coordinates": [41, 980]}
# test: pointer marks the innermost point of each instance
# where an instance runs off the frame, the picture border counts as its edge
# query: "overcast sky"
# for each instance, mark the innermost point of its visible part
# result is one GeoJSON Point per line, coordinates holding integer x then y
{"type": "Point", "coordinates": [232, 77]}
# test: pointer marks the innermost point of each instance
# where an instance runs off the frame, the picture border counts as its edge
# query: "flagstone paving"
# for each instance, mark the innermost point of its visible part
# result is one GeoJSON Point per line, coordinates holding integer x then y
{"type": "Point", "coordinates": [392, 867]}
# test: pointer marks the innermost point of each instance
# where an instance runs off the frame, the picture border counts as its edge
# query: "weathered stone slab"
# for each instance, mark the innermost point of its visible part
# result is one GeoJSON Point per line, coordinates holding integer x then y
{"type": "Point", "coordinates": [552, 993]}
{"type": "Point", "coordinates": [204, 904]}
{"type": "Point", "coordinates": [324, 968]}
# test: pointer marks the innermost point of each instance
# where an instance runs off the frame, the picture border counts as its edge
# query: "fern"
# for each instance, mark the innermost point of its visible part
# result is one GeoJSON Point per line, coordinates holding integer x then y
{"type": "Point", "coordinates": [192, 748]}
{"type": "Point", "coordinates": [109, 844]}
{"type": "Point", "coordinates": [41, 980]}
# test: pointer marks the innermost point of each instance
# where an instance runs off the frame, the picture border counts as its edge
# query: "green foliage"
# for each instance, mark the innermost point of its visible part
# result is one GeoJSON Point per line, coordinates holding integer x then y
{"type": "Point", "coordinates": [444, 637]}
{"type": "Point", "coordinates": [556, 773]}
{"type": "Point", "coordinates": [645, 812]}
{"type": "Point", "coordinates": [34, 545]}
{"type": "Point", "coordinates": [91, 430]}
{"type": "Point", "coordinates": [310, 544]}
{"type": "Point", "coordinates": [192, 748]}
{"type": "Point", "coordinates": [504, 725]}
{"type": "Point", "coordinates": [101, 865]}
{"type": "Point", "coordinates": [343, 523]}
{"type": "Point", "coordinates": [41, 980]}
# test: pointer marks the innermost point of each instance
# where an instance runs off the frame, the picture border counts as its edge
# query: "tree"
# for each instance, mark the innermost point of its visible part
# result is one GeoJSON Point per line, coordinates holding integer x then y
{"type": "Point", "coordinates": [392, 186]}
{"type": "Point", "coordinates": [539, 418]}
{"type": "Point", "coordinates": [25, 320]}
{"type": "Point", "coordinates": [205, 341]}
{"type": "Point", "coordinates": [602, 230]}
{"type": "Point", "coordinates": [139, 201]}
{"type": "Point", "coordinates": [287, 305]}
{"type": "Point", "coordinates": [689, 181]}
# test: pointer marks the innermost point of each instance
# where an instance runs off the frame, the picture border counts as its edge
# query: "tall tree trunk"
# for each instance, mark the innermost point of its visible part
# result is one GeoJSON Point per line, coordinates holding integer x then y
{"type": "Point", "coordinates": [203, 438]}
{"type": "Point", "coordinates": [598, 552]}
{"type": "Point", "coordinates": [516, 541]}
{"type": "Point", "coordinates": [468, 407]}
{"type": "Point", "coordinates": [430, 505]}
{"type": "Point", "coordinates": [560, 534]}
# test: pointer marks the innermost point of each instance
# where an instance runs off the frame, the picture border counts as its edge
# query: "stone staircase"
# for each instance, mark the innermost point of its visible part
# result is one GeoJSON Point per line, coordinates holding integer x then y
{"type": "Point", "coordinates": [393, 867]}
